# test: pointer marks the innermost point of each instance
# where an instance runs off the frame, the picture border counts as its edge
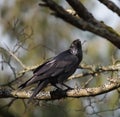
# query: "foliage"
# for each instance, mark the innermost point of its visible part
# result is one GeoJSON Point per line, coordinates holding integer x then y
{"type": "Point", "coordinates": [34, 35]}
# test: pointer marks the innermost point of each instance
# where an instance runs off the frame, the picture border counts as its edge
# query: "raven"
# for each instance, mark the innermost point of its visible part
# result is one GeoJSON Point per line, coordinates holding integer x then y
{"type": "Point", "coordinates": [57, 70]}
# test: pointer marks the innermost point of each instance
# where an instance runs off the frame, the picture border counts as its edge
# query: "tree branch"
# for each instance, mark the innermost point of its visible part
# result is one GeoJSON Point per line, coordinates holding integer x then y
{"type": "Point", "coordinates": [78, 7]}
{"type": "Point", "coordinates": [112, 6]}
{"type": "Point", "coordinates": [59, 94]}
{"type": "Point", "coordinates": [95, 70]}
{"type": "Point", "coordinates": [97, 28]}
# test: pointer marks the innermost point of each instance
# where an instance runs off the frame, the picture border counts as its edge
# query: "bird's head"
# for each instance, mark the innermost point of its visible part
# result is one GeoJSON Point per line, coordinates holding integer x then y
{"type": "Point", "coordinates": [76, 47]}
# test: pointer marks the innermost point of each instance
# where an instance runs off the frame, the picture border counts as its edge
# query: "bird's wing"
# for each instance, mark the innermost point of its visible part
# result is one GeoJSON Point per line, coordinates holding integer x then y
{"type": "Point", "coordinates": [39, 74]}
{"type": "Point", "coordinates": [53, 68]}
{"type": "Point", "coordinates": [43, 67]}
{"type": "Point", "coordinates": [56, 66]}
{"type": "Point", "coordinates": [64, 66]}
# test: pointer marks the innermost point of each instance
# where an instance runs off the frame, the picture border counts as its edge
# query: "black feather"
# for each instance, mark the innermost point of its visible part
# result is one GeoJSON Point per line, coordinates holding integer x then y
{"type": "Point", "coordinates": [40, 86]}
{"type": "Point", "coordinates": [56, 70]}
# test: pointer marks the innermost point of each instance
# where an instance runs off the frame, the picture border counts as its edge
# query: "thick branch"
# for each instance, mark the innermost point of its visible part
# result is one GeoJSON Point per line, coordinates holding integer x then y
{"type": "Point", "coordinates": [111, 6]}
{"type": "Point", "coordinates": [101, 29]}
{"type": "Point", "coordinates": [58, 94]}
{"type": "Point", "coordinates": [78, 7]}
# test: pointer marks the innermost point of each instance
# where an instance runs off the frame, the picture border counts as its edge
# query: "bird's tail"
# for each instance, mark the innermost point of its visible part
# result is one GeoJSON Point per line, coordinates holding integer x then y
{"type": "Point", "coordinates": [27, 83]}
{"type": "Point", "coordinates": [40, 86]}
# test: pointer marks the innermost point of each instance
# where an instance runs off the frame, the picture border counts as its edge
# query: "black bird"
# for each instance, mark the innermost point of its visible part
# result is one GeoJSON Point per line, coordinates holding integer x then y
{"type": "Point", "coordinates": [56, 70]}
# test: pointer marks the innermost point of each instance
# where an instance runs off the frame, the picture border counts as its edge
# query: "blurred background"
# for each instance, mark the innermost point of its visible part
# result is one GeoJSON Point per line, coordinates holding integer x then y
{"type": "Point", "coordinates": [33, 35]}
